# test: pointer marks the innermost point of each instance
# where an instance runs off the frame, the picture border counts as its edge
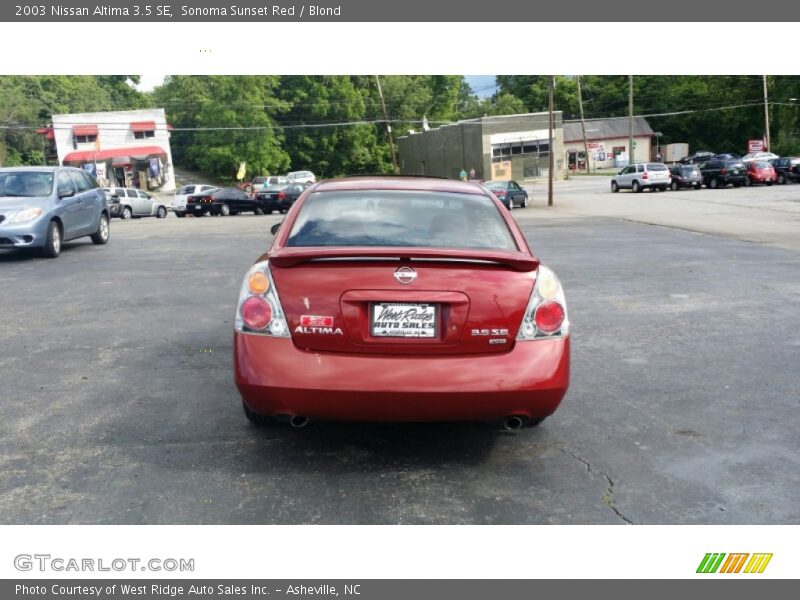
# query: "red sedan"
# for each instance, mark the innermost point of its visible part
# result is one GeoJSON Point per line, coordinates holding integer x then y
{"type": "Point", "coordinates": [759, 171]}
{"type": "Point", "coordinates": [400, 299]}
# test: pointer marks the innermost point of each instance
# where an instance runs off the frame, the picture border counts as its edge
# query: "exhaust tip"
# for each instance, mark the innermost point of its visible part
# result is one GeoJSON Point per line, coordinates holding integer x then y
{"type": "Point", "coordinates": [514, 422]}
{"type": "Point", "coordinates": [298, 421]}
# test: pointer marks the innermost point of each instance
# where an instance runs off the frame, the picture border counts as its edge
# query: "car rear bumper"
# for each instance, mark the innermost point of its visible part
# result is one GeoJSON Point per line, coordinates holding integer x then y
{"type": "Point", "coordinates": [194, 209]}
{"type": "Point", "coordinates": [650, 183]}
{"type": "Point", "coordinates": [274, 377]}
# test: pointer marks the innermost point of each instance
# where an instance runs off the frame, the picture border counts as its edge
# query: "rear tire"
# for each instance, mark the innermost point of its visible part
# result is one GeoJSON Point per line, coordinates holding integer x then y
{"type": "Point", "coordinates": [180, 214]}
{"type": "Point", "coordinates": [714, 183]}
{"type": "Point", "coordinates": [674, 186]}
{"type": "Point", "coordinates": [101, 236]}
{"type": "Point", "coordinates": [781, 179]}
{"type": "Point", "coordinates": [747, 182]}
{"type": "Point", "coordinates": [52, 247]}
{"type": "Point", "coordinates": [161, 213]}
{"type": "Point", "coordinates": [525, 201]}
{"type": "Point", "coordinates": [635, 187]}
{"type": "Point", "coordinates": [224, 210]}
{"type": "Point", "coordinates": [259, 211]}
{"type": "Point", "coordinates": [255, 418]}
{"type": "Point", "coordinates": [127, 213]}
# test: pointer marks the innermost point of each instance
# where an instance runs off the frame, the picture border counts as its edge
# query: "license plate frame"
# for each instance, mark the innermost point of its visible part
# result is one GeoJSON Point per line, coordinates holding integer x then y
{"type": "Point", "coordinates": [424, 328]}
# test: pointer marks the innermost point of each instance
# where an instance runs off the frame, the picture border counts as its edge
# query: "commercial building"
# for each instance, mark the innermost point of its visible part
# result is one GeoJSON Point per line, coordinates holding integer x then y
{"type": "Point", "coordinates": [608, 141]}
{"type": "Point", "coordinates": [121, 149]}
{"type": "Point", "coordinates": [498, 147]}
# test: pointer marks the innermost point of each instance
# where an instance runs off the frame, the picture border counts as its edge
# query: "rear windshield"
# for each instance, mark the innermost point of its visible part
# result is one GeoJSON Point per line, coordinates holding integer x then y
{"type": "Point", "coordinates": [734, 164]}
{"type": "Point", "coordinates": [384, 218]}
{"type": "Point", "coordinates": [760, 164]}
{"type": "Point", "coordinates": [689, 170]}
{"type": "Point", "coordinates": [187, 189]}
{"type": "Point", "coordinates": [657, 167]}
{"type": "Point", "coordinates": [26, 183]}
{"type": "Point", "coordinates": [496, 185]}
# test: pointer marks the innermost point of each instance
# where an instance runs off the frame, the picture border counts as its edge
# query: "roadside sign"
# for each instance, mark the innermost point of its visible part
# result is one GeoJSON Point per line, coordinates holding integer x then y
{"type": "Point", "coordinates": [756, 146]}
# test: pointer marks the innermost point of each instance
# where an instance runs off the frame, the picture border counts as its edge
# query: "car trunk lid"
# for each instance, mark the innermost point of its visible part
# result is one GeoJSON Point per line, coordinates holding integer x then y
{"type": "Point", "coordinates": [382, 301]}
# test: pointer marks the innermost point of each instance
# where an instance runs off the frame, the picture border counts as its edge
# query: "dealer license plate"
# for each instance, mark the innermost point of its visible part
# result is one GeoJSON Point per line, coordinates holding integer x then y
{"type": "Point", "coordinates": [403, 320]}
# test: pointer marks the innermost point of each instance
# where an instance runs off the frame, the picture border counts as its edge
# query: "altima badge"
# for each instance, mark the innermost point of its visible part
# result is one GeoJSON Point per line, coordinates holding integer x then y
{"type": "Point", "coordinates": [405, 275]}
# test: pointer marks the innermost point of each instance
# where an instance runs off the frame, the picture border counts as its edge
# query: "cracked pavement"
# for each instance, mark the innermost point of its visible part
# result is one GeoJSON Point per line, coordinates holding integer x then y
{"type": "Point", "coordinates": [119, 406]}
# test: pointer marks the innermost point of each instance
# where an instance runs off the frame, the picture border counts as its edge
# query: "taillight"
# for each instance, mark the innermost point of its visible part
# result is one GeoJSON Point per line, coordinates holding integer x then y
{"type": "Point", "coordinates": [549, 316]}
{"type": "Point", "coordinates": [546, 314]}
{"type": "Point", "coordinates": [281, 195]}
{"type": "Point", "coordinates": [259, 309]}
{"type": "Point", "coordinates": [256, 313]}
{"type": "Point", "coordinates": [644, 176]}
{"type": "Point", "coordinates": [723, 171]}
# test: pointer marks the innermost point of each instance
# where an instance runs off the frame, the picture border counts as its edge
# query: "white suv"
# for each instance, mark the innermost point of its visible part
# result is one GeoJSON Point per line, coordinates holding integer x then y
{"type": "Point", "coordinates": [301, 177]}
{"type": "Point", "coordinates": [655, 176]}
{"type": "Point", "coordinates": [179, 201]}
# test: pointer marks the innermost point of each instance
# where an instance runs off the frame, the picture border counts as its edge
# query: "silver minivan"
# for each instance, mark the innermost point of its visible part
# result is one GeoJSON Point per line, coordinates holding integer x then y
{"type": "Point", "coordinates": [42, 207]}
{"type": "Point", "coordinates": [637, 177]}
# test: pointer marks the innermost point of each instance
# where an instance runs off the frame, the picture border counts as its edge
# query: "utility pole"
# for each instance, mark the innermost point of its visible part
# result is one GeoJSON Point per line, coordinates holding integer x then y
{"type": "Point", "coordinates": [630, 119]}
{"type": "Point", "coordinates": [583, 126]}
{"type": "Point", "coordinates": [388, 125]}
{"type": "Point", "coordinates": [766, 117]}
{"type": "Point", "coordinates": [551, 152]}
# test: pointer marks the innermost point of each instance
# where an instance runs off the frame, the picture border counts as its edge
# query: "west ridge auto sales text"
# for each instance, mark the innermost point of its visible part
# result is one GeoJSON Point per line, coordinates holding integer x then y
{"type": "Point", "coordinates": [170, 590]}
{"type": "Point", "coordinates": [185, 10]}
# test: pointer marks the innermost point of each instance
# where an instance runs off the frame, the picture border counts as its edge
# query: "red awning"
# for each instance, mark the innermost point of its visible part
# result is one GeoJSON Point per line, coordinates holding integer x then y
{"type": "Point", "coordinates": [135, 152]}
{"type": "Point", "coordinates": [47, 132]}
{"type": "Point", "coordinates": [84, 130]}
{"type": "Point", "coordinates": [143, 126]}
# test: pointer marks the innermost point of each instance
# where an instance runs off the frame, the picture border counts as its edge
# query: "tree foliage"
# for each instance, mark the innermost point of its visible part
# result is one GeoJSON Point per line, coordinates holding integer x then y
{"type": "Point", "coordinates": [333, 125]}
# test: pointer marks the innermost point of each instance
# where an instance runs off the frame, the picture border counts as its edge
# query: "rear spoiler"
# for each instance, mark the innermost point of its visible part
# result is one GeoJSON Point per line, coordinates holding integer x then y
{"type": "Point", "coordinates": [289, 257]}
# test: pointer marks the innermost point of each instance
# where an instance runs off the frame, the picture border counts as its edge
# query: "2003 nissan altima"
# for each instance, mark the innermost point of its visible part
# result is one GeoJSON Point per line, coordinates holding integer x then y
{"type": "Point", "coordinates": [400, 299]}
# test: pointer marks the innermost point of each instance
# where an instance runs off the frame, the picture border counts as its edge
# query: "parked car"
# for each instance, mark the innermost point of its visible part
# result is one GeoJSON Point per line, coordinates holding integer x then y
{"type": "Point", "coordinates": [301, 177]}
{"type": "Point", "coordinates": [222, 201]}
{"type": "Point", "coordinates": [685, 176]}
{"type": "Point", "coordinates": [640, 176]}
{"type": "Point", "coordinates": [698, 157]}
{"type": "Point", "coordinates": [759, 156]}
{"type": "Point", "coordinates": [129, 203]}
{"type": "Point", "coordinates": [794, 174]}
{"type": "Point", "coordinates": [42, 207]}
{"type": "Point", "coordinates": [278, 180]}
{"type": "Point", "coordinates": [510, 193]}
{"type": "Point", "coordinates": [114, 205]}
{"type": "Point", "coordinates": [732, 155]}
{"type": "Point", "coordinates": [378, 301]}
{"type": "Point", "coordinates": [183, 193]}
{"type": "Point", "coordinates": [719, 172]}
{"type": "Point", "coordinates": [760, 171]}
{"type": "Point", "coordinates": [279, 197]}
{"type": "Point", "coordinates": [784, 168]}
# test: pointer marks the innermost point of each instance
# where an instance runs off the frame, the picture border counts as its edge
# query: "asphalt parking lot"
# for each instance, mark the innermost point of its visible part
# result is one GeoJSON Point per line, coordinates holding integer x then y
{"type": "Point", "coordinates": [118, 404]}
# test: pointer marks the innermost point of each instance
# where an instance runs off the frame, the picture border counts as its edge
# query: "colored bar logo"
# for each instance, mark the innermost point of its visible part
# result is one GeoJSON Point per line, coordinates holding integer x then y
{"type": "Point", "coordinates": [734, 563]}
